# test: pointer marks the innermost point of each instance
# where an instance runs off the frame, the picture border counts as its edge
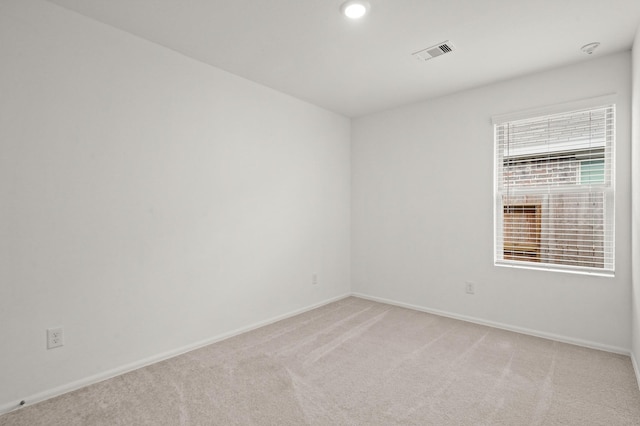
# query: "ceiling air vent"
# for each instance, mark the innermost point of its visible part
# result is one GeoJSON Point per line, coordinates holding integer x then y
{"type": "Point", "coordinates": [433, 51]}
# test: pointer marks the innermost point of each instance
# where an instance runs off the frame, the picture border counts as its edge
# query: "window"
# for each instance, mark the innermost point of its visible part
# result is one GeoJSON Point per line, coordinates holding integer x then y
{"type": "Point", "coordinates": [554, 191]}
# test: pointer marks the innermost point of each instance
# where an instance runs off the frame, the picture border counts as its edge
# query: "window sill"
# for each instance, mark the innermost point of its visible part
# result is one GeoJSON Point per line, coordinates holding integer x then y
{"type": "Point", "coordinates": [556, 268]}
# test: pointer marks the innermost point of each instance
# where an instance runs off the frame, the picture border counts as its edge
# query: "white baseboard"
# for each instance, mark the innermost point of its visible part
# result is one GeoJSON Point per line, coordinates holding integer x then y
{"type": "Point", "coordinates": [635, 368]}
{"type": "Point", "coordinates": [522, 330]}
{"type": "Point", "coordinates": [69, 387]}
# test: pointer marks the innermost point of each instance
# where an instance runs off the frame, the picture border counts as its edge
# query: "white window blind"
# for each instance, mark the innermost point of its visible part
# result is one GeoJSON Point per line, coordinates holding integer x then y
{"type": "Point", "coordinates": [555, 191]}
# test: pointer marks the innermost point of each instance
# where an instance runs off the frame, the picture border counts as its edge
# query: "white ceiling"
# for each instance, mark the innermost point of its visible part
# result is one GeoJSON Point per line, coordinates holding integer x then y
{"type": "Point", "coordinates": [307, 49]}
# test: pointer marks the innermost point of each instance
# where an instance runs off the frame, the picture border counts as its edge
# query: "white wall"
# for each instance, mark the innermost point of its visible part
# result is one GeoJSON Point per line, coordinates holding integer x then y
{"type": "Point", "coordinates": [422, 210]}
{"type": "Point", "coordinates": [150, 201]}
{"type": "Point", "coordinates": [635, 226]}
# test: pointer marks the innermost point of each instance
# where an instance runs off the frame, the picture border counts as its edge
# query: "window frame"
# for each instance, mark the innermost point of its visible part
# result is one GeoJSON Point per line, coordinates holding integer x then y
{"type": "Point", "coordinates": [608, 192]}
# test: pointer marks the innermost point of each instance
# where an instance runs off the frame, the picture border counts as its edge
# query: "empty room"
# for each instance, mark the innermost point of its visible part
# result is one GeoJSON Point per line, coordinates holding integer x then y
{"type": "Point", "coordinates": [319, 212]}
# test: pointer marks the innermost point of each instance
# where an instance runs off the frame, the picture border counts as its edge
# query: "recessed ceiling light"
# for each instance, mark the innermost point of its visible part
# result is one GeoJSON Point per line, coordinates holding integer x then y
{"type": "Point", "coordinates": [355, 9]}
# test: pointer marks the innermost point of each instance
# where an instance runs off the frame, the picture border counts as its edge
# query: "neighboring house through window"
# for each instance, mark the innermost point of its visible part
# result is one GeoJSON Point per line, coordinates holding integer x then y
{"type": "Point", "coordinates": [555, 190]}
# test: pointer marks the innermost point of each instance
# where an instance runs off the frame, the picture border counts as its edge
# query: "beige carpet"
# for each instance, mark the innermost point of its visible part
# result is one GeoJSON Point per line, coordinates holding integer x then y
{"type": "Point", "coordinates": [356, 362]}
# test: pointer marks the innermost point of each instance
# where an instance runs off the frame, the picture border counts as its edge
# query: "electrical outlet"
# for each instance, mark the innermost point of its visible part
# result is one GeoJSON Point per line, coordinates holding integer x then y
{"type": "Point", "coordinates": [55, 338]}
{"type": "Point", "coordinates": [470, 288]}
{"type": "Point", "coordinates": [314, 279]}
